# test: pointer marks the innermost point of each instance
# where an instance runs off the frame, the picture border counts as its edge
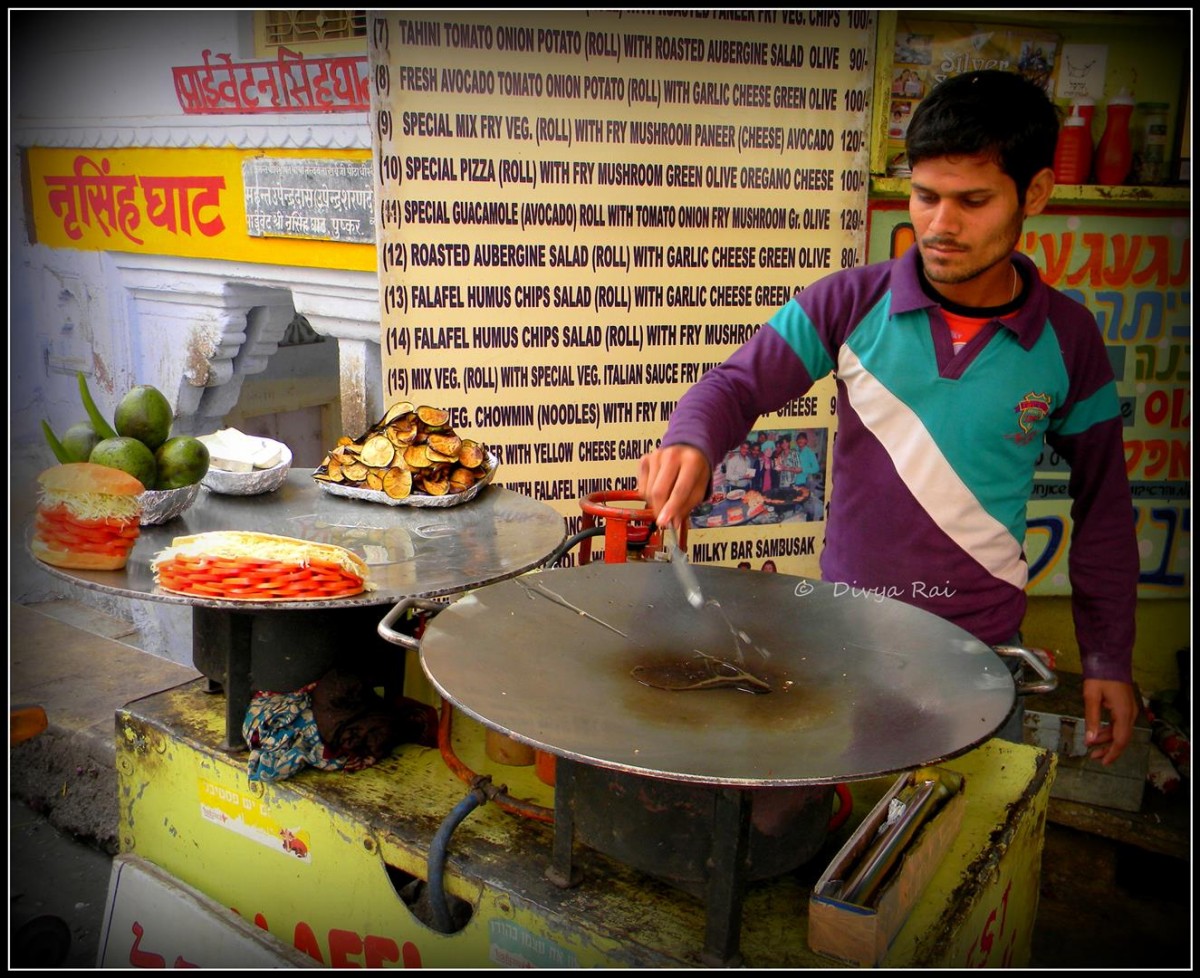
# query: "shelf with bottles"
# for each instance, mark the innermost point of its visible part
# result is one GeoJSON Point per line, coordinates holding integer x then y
{"type": "Point", "coordinates": [1125, 194]}
{"type": "Point", "coordinates": [1143, 54]}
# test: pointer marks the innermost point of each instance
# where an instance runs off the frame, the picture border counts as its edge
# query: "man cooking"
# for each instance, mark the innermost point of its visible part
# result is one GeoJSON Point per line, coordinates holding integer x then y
{"type": "Point", "coordinates": [953, 363]}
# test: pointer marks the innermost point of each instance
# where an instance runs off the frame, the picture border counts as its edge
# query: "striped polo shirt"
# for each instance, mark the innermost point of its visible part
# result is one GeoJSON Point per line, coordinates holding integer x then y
{"type": "Point", "coordinates": [933, 463]}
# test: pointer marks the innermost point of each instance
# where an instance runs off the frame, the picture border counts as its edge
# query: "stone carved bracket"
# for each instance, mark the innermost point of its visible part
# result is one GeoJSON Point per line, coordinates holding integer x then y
{"type": "Point", "coordinates": [203, 326]}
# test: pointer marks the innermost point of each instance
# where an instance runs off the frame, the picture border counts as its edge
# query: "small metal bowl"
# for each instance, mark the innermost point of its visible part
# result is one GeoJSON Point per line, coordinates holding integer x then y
{"type": "Point", "coordinates": [249, 483]}
{"type": "Point", "coordinates": [162, 505]}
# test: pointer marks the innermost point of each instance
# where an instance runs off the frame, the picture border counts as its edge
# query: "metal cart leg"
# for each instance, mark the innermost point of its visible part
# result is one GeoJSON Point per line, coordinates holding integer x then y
{"type": "Point", "coordinates": [221, 643]}
{"type": "Point", "coordinates": [727, 879]}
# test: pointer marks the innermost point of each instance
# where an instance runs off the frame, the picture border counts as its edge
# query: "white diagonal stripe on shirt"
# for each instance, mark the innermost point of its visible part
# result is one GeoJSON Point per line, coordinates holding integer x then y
{"type": "Point", "coordinates": [929, 476]}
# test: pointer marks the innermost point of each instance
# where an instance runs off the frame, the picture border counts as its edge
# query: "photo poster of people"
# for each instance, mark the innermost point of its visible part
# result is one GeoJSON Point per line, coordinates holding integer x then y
{"type": "Point", "coordinates": [926, 53]}
{"type": "Point", "coordinates": [775, 476]}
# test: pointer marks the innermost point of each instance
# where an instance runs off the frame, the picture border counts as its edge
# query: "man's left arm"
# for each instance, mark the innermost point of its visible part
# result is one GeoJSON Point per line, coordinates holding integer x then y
{"type": "Point", "coordinates": [1103, 565]}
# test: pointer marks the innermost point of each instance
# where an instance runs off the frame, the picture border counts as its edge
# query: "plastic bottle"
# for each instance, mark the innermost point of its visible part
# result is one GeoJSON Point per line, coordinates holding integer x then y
{"type": "Point", "coordinates": [1150, 161]}
{"type": "Point", "coordinates": [1073, 152]}
{"type": "Point", "coordinates": [1086, 108]}
{"type": "Point", "coordinates": [1114, 155]}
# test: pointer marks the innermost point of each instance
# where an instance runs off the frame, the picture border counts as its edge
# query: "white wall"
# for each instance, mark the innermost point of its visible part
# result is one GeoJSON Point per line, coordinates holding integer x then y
{"type": "Point", "coordinates": [102, 68]}
{"type": "Point", "coordinates": [85, 78]}
{"type": "Point", "coordinates": [102, 79]}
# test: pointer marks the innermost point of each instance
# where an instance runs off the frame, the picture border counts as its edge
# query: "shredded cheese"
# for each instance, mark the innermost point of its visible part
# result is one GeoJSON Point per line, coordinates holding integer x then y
{"type": "Point", "coordinates": [93, 505]}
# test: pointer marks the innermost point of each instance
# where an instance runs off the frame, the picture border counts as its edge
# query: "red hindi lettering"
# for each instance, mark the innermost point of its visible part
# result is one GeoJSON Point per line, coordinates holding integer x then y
{"type": "Point", "coordinates": [228, 91]}
{"type": "Point", "coordinates": [208, 195]}
{"type": "Point", "coordinates": [174, 203]}
{"type": "Point", "coordinates": [111, 198]}
{"type": "Point", "coordinates": [321, 92]}
{"type": "Point", "coordinates": [348, 85]}
{"type": "Point", "coordinates": [143, 959]}
{"type": "Point", "coordinates": [93, 190]}
{"type": "Point", "coordinates": [272, 69]}
{"type": "Point", "coordinates": [295, 77]}
{"type": "Point", "coordinates": [248, 100]}
{"type": "Point", "coordinates": [188, 90]}
{"type": "Point", "coordinates": [64, 203]}
{"type": "Point", "coordinates": [290, 84]}
{"type": "Point", "coordinates": [212, 97]}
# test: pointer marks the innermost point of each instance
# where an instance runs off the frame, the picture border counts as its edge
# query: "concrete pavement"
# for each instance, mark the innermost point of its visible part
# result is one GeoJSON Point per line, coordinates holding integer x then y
{"type": "Point", "coordinates": [76, 662]}
{"type": "Point", "coordinates": [57, 891]}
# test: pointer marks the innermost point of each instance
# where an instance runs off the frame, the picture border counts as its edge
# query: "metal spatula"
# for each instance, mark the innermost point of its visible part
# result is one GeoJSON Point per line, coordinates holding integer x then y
{"type": "Point", "coordinates": [683, 570]}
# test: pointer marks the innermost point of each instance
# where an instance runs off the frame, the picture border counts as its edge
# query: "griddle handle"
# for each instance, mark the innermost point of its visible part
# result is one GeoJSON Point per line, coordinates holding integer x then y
{"type": "Point", "coordinates": [406, 604]}
{"type": "Point", "coordinates": [1049, 681]}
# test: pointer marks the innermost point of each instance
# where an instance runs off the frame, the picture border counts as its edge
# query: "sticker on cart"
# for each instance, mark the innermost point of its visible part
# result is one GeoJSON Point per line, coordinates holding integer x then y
{"type": "Point", "coordinates": [243, 813]}
{"type": "Point", "coordinates": [513, 946]}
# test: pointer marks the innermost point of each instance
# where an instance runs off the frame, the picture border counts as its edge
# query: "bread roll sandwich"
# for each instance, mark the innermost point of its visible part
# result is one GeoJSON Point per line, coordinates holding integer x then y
{"type": "Point", "coordinates": [242, 565]}
{"type": "Point", "coordinates": [87, 516]}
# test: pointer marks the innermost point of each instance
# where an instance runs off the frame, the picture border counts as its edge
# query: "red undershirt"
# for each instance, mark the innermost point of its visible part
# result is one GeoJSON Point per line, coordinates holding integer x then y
{"type": "Point", "coordinates": [962, 328]}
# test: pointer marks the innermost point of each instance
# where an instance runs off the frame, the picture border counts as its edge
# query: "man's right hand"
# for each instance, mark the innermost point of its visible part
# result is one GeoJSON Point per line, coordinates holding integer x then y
{"type": "Point", "coordinates": [674, 481]}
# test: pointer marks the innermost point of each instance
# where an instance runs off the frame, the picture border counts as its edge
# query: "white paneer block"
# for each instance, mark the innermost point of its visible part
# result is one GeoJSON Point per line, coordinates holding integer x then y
{"type": "Point", "coordinates": [234, 451]}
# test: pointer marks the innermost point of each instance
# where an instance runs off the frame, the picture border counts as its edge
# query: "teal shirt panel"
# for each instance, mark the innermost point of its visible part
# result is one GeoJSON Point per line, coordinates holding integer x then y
{"type": "Point", "coordinates": [792, 323]}
{"type": "Point", "coordinates": [989, 422]}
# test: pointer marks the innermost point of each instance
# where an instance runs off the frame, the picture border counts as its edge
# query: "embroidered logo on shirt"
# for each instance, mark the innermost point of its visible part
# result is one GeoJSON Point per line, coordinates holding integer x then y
{"type": "Point", "coordinates": [1031, 410]}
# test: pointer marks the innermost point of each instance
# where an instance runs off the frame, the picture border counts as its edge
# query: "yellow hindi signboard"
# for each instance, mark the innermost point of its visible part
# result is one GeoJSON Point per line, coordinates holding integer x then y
{"type": "Point", "coordinates": [313, 208]}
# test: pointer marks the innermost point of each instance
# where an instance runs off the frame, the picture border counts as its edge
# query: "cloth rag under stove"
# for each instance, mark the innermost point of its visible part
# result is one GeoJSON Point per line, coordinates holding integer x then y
{"type": "Point", "coordinates": [282, 735]}
{"type": "Point", "coordinates": [338, 723]}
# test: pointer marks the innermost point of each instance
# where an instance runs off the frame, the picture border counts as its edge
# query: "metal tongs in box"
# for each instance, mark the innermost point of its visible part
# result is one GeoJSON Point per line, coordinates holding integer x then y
{"type": "Point", "coordinates": [916, 804]}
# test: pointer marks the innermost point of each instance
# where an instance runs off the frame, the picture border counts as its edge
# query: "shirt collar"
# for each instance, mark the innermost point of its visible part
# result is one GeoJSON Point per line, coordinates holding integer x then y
{"type": "Point", "coordinates": [1026, 325]}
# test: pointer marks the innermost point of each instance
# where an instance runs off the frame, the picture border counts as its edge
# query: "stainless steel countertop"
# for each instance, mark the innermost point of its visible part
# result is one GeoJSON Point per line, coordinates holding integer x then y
{"type": "Point", "coordinates": [422, 552]}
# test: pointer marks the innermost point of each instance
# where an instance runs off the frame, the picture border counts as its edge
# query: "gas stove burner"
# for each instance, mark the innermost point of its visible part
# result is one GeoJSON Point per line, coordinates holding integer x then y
{"type": "Point", "coordinates": [709, 841]}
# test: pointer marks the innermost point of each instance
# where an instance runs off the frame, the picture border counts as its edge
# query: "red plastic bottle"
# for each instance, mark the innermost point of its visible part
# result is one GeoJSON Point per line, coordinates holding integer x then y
{"type": "Point", "coordinates": [1086, 108]}
{"type": "Point", "coordinates": [1114, 155]}
{"type": "Point", "coordinates": [1073, 153]}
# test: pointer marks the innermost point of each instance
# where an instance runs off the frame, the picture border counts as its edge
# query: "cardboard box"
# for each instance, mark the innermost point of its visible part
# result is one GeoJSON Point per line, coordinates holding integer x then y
{"type": "Point", "coordinates": [861, 934]}
{"type": "Point", "coordinates": [1054, 721]}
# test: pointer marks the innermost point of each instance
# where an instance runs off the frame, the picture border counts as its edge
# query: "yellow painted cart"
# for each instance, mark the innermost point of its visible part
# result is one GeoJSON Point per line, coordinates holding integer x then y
{"type": "Point", "coordinates": [335, 864]}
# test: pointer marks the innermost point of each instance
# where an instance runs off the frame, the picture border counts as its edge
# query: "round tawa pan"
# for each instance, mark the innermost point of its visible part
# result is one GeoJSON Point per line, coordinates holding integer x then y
{"type": "Point", "coordinates": [576, 662]}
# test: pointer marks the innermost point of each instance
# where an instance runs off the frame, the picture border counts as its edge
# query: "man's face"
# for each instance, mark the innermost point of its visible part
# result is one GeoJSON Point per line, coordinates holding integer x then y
{"type": "Point", "coordinates": [967, 220]}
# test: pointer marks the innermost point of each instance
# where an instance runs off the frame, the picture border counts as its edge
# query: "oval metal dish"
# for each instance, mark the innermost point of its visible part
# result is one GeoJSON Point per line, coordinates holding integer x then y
{"type": "Point", "coordinates": [418, 499]}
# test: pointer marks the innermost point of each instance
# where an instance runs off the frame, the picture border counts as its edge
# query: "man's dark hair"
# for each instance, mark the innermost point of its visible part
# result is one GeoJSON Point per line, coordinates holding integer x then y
{"type": "Point", "coordinates": [998, 113]}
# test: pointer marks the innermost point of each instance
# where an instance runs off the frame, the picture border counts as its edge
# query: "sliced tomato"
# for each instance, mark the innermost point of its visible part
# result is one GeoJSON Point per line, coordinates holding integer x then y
{"type": "Point", "coordinates": [114, 547]}
{"type": "Point", "coordinates": [61, 515]}
{"type": "Point", "coordinates": [71, 542]}
{"type": "Point", "coordinates": [60, 530]}
{"type": "Point", "coordinates": [249, 580]}
{"type": "Point", "coordinates": [95, 534]}
{"type": "Point", "coordinates": [209, 590]}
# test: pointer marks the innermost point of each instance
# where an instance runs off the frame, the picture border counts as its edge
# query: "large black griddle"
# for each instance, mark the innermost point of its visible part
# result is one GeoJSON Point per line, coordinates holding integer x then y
{"type": "Point", "coordinates": [862, 686]}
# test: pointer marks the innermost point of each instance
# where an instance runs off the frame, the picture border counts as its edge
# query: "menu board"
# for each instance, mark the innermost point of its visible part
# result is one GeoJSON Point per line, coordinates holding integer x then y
{"type": "Point", "coordinates": [579, 213]}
